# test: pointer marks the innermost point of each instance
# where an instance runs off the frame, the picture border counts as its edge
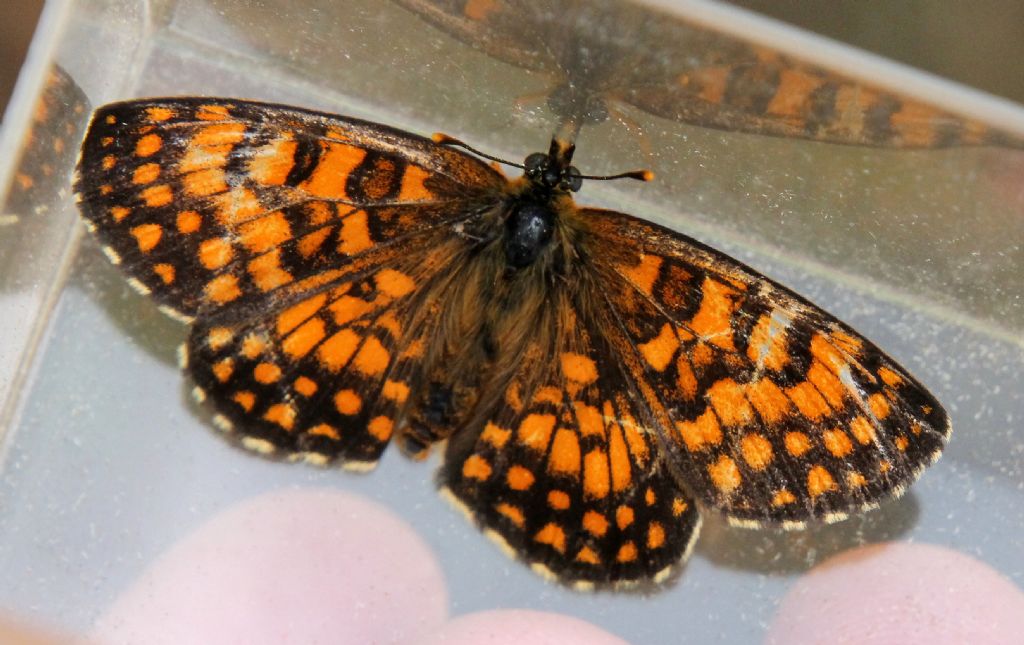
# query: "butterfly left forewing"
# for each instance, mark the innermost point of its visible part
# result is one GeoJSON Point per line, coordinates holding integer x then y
{"type": "Point", "coordinates": [770, 409]}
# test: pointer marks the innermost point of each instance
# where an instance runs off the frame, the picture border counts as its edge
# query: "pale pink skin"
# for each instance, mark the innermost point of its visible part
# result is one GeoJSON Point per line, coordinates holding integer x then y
{"type": "Point", "coordinates": [900, 593]}
{"type": "Point", "coordinates": [304, 566]}
{"type": "Point", "coordinates": [519, 627]}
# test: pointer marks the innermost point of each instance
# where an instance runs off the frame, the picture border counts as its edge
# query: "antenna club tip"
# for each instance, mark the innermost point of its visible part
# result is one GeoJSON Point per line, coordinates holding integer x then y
{"type": "Point", "coordinates": [646, 175]}
{"type": "Point", "coordinates": [439, 137]}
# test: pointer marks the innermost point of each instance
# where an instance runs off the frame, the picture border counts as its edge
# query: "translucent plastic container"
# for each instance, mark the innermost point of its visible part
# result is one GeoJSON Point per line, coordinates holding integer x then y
{"type": "Point", "coordinates": [107, 462]}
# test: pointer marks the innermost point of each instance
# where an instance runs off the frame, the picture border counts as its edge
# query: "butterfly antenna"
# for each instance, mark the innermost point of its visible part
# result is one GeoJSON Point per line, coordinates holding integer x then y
{"type": "Point", "coordinates": [642, 175]}
{"type": "Point", "coordinates": [445, 140]}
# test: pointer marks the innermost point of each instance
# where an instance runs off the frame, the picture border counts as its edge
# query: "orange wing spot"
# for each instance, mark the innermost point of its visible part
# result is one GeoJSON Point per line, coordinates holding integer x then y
{"type": "Point", "coordinates": [855, 480]}
{"type": "Point", "coordinates": [783, 497]}
{"type": "Point", "coordinates": [147, 173]}
{"type": "Point", "coordinates": [311, 243]}
{"type": "Point", "coordinates": [205, 158]}
{"type": "Point", "coordinates": [337, 162]}
{"type": "Point", "coordinates": [119, 213]}
{"type": "Point", "coordinates": [212, 112]}
{"type": "Point", "coordinates": [265, 233]}
{"type": "Point", "coordinates": [372, 358]}
{"type": "Point", "coordinates": [679, 507]}
{"type": "Point", "coordinates": [253, 345]}
{"type": "Point", "coordinates": [649, 496]}
{"type": "Point", "coordinates": [595, 474]}
{"type": "Point", "coordinates": [884, 466]}
{"type": "Point", "coordinates": [270, 164]}
{"type": "Point", "coordinates": [902, 442]}
{"type": "Point", "coordinates": [157, 113]}
{"type": "Point", "coordinates": [862, 430]}
{"type": "Point", "coordinates": [105, 189]}
{"type": "Point", "coordinates": [147, 236]}
{"type": "Point", "coordinates": [618, 460]}
{"type": "Point", "coordinates": [793, 94]}
{"type": "Point", "coordinates": [659, 352]}
{"type": "Point", "coordinates": [204, 183]}
{"type": "Point", "coordinates": [292, 317]}
{"type": "Point", "coordinates": [335, 352]}
{"type": "Point", "coordinates": [878, 405]}
{"type": "Point", "coordinates": [109, 162]}
{"type": "Point", "coordinates": [219, 337]}
{"type": "Point", "coordinates": [889, 377]}
{"type": "Point", "coordinates": [565, 453]}
{"type": "Point", "coordinates": [513, 397]}
{"type": "Point", "coordinates": [218, 134]}
{"type": "Point", "coordinates": [222, 289]}
{"type": "Point", "coordinates": [157, 196]}
{"type": "Point", "coordinates": [636, 440]}
{"type": "Point", "coordinates": [381, 428]}
{"type": "Point", "coordinates": [413, 187]}
{"type": "Point", "coordinates": [595, 523]}
{"type": "Point", "coordinates": [627, 552]}
{"type": "Point", "coordinates": [223, 369]}
{"type": "Point", "coordinates": [236, 206]}
{"type": "Point", "coordinates": [579, 368]}
{"type": "Point", "coordinates": [820, 481]}
{"type": "Point", "coordinates": [725, 475]}
{"type": "Point", "coordinates": [266, 271]}
{"type": "Point", "coordinates": [189, 222]}
{"type": "Point", "coordinates": [266, 373]}
{"type": "Point", "coordinates": [588, 419]}
{"type": "Point", "coordinates": [394, 283]}
{"type": "Point", "coordinates": [588, 556]}
{"type": "Point", "coordinates": [701, 432]}
{"type": "Point", "coordinates": [913, 122]}
{"type": "Point", "coordinates": [355, 234]}
{"type": "Point", "coordinates": [730, 403]}
{"type": "Point", "coordinates": [808, 401]}
{"type": "Point", "coordinates": [915, 428]}
{"type": "Point", "coordinates": [713, 321]}
{"type": "Point", "coordinates": [757, 451]}
{"type": "Point", "coordinates": [148, 145]}
{"type": "Point", "coordinates": [797, 443]}
{"type": "Point", "coordinates": [709, 83]}
{"type": "Point", "coordinates": [324, 430]}
{"type": "Point", "coordinates": [282, 414]}
{"type": "Point", "coordinates": [553, 535]}
{"type": "Point", "coordinates": [305, 386]}
{"type": "Point", "coordinates": [215, 253]}
{"type": "Point", "coordinates": [165, 272]}
{"type": "Point", "coordinates": [395, 391]}
{"type": "Point", "coordinates": [847, 343]}
{"type": "Point", "coordinates": [347, 402]}
{"type": "Point", "coordinates": [535, 431]}
{"type": "Point", "coordinates": [513, 513]}
{"type": "Point", "coordinates": [828, 385]}
{"type": "Point", "coordinates": [106, 141]}
{"type": "Point", "coordinates": [245, 398]}
{"type": "Point", "coordinates": [519, 478]}
{"type": "Point", "coordinates": [769, 401]}
{"type": "Point", "coordinates": [301, 341]}
{"type": "Point", "coordinates": [824, 351]}
{"type": "Point", "coordinates": [623, 517]}
{"type": "Point", "coordinates": [768, 344]}
{"type": "Point", "coordinates": [837, 442]}
{"type": "Point", "coordinates": [644, 274]}
{"type": "Point", "coordinates": [548, 394]}
{"type": "Point", "coordinates": [495, 435]}
{"type": "Point", "coordinates": [348, 308]}
{"type": "Point", "coordinates": [655, 535]}
{"type": "Point", "coordinates": [686, 380]}
{"type": "Point", "coordinates": [558, 500]}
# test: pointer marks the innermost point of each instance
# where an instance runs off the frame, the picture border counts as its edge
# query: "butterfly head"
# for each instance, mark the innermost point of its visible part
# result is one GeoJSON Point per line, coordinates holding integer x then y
{"type": "Point", "coordinates": [553, 171]}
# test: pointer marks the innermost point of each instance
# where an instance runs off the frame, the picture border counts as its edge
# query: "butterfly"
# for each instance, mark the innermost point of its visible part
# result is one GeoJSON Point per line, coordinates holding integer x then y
{"type": "Point", "coordinates": [602, 58]}
{"type": "Point", "coordinates": [595, 380]}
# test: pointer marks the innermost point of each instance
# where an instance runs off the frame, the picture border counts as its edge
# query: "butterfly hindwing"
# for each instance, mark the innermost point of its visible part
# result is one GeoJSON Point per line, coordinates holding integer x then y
{"type": "Point", "coordinates": [563, 468]}
{"type": "Point", "coordinates": [771, 409]}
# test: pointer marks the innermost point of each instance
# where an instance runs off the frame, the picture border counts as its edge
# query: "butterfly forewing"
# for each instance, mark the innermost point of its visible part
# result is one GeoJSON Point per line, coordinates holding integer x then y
{"type": "Point", "coordinates": [770, 409]}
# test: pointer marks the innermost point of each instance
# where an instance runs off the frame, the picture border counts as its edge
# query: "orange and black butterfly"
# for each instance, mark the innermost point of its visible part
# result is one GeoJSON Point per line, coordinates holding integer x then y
{"type": "Point", "coordinates": [603, 57]}
{"type": "Point", "coordinates": [595, 379]}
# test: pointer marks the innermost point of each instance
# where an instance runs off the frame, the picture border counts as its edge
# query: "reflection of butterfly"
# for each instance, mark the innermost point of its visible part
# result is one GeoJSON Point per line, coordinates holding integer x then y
{"type": "Point", "coordinates": [49, 147]}
{"type": "Point", "coordinates": [595, 377]}
{"type": "Point", "coordinates": [602, 55]}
